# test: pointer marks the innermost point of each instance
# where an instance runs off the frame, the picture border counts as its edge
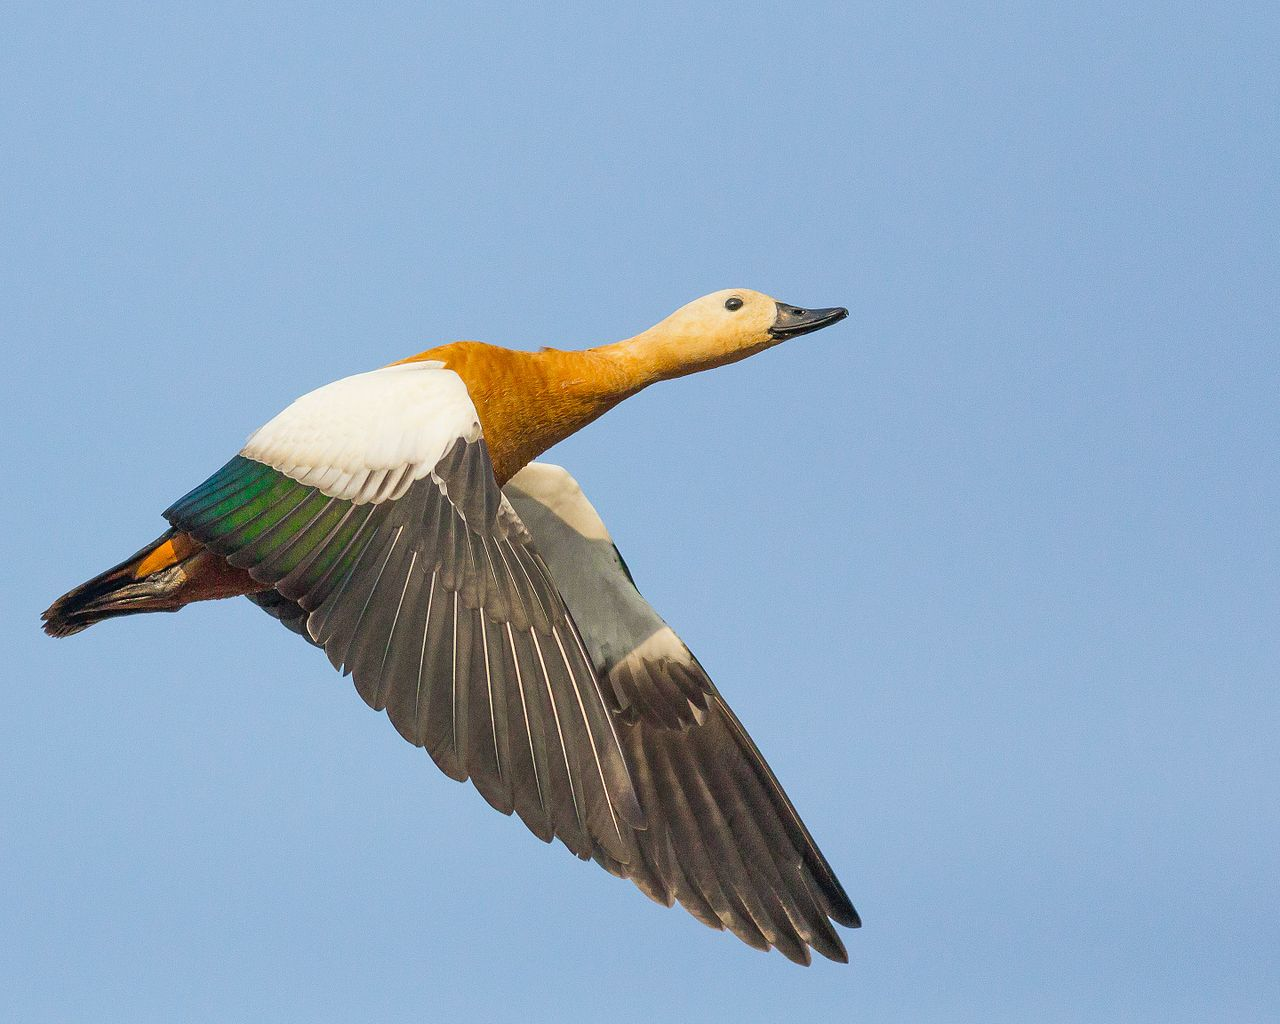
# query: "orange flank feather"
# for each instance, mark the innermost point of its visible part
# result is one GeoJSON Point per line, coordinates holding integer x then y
{"type": "Point", "coordinates": [166, 553]}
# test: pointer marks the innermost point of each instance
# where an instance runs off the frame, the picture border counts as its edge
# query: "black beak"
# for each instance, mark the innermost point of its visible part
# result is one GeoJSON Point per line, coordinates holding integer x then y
{"type": "Point", "coordinates": [793, 321]}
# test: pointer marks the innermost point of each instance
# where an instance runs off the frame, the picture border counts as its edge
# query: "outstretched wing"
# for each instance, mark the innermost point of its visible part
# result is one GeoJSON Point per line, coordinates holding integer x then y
{"type": "Point", "coordinates": [370, 506]}
{"type": "Point", "coordinates": [723, 838]}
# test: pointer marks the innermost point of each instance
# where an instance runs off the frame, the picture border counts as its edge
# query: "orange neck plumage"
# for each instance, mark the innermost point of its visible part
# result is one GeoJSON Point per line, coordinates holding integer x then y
{"type": "Point", "coordinates": [529, 401]}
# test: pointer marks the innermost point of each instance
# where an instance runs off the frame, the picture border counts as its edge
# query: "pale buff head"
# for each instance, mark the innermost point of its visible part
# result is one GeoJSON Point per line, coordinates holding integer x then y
{"type": "Point", "coordinates": [724, 327]}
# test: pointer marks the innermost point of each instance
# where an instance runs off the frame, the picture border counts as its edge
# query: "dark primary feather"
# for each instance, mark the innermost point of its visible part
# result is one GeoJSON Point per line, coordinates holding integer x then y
{"type": "Point", "coordinates": [724, 837]}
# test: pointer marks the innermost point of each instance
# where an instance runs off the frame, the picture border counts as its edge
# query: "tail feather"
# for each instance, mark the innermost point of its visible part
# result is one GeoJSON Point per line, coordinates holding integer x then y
{"type": "Point", "coordinates": [145, 582]}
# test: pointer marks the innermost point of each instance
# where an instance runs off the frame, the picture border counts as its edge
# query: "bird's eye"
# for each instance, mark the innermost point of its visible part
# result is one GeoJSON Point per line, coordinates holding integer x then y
{"type": "Point", "coordinates": [733, 304]}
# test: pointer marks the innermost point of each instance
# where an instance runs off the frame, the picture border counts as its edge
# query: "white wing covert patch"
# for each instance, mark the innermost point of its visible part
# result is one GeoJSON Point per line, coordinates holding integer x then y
{"type": "Point", "coordinates": [368, 437]}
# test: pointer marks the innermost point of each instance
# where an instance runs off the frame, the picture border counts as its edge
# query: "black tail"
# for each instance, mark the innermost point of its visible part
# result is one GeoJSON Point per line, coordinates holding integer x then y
{"type": "Point", "coordinates": [118, 591]}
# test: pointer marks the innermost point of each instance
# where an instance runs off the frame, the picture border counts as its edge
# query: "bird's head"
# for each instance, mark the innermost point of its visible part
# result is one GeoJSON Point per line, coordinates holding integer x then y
{"type": "Point", "coordinates": [726, 326]}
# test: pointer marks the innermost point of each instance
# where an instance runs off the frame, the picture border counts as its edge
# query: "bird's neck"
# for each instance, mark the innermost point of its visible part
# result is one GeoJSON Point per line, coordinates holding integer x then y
{"type": "Point", "coordinates": [529, 401]}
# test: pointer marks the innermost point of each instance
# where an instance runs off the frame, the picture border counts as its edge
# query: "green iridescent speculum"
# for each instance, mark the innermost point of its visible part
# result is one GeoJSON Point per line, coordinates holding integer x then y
{"type": "Point", "coordinates": [238, 504]}
{"type": "Point", "coordinates": [261, 518]}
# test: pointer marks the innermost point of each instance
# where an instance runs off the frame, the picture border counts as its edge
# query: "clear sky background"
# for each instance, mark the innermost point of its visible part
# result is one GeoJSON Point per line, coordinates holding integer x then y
{"type": "Point", "coordinates": [990, 570]}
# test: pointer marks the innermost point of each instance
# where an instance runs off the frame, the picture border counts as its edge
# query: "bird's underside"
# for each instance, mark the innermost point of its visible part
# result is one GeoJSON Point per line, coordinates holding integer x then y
{"type": "Point", "coordinates": [499, 629]}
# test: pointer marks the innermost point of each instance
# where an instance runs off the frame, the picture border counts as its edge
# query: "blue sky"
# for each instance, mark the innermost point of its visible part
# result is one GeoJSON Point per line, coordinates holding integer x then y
{"type": "Point", "coordinates": [989, 570]}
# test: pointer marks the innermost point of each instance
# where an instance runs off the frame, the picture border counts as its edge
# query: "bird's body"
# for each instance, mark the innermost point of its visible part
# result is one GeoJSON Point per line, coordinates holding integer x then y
{"type": "Point", "coordinates": [394, 520]}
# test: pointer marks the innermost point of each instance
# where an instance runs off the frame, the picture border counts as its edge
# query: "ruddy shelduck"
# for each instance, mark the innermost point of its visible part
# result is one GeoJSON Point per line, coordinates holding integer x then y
{"type": "Point", "coordinates": [396, 520]}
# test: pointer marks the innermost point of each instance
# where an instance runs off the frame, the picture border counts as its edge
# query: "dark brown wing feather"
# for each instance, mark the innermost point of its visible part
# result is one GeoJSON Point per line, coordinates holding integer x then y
{"type": "Point", "coordinates": [723, 838]}
{"type": "Point", "coordinates": [445, 615]}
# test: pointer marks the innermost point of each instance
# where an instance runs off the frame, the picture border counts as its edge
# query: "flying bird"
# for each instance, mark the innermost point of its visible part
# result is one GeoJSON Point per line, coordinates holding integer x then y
{"type": "Point", "coordinates": [396, 520]}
